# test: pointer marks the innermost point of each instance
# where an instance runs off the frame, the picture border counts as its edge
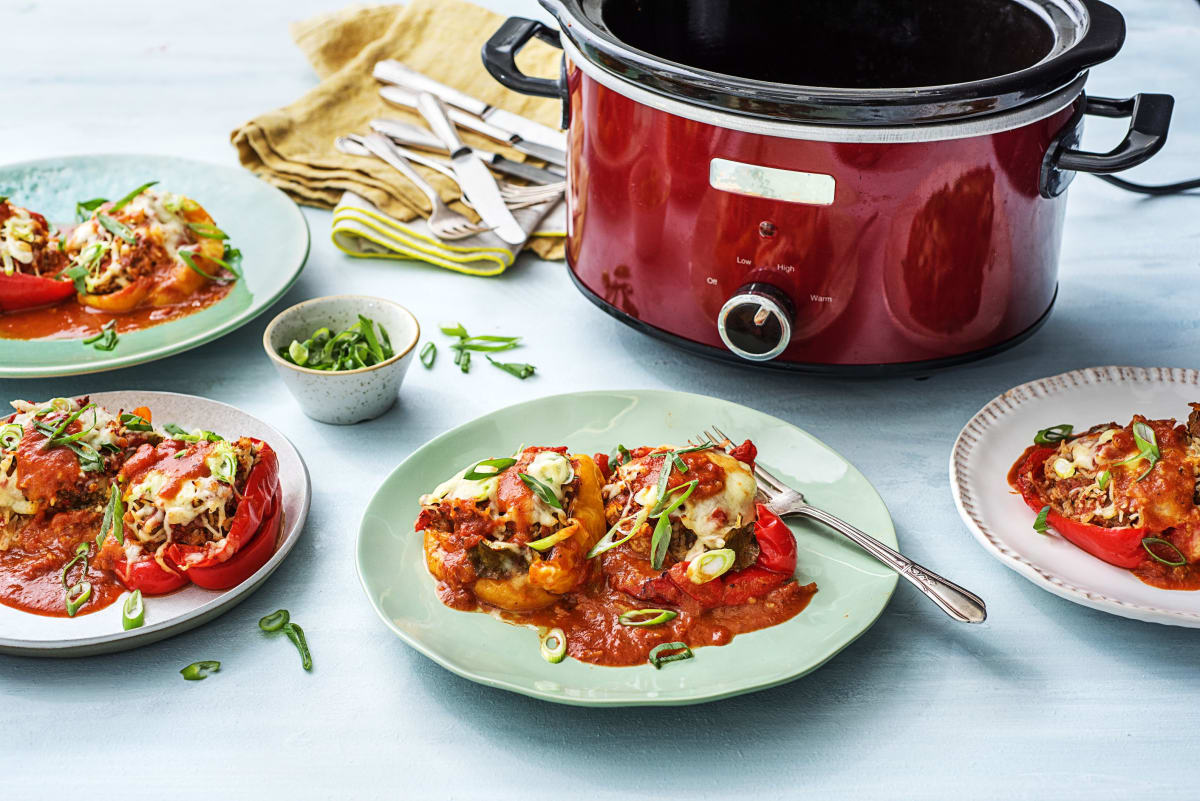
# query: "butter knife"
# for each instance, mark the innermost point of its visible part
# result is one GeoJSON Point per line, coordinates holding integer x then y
{"type": "Point", "coordinates": [473, 176]}
{"type": "Point", "coordinates": [394, 72]}
{"type": "Point", "coordinates": [415, 136]}
{"type": "Point", "coordinates": [406, 99]}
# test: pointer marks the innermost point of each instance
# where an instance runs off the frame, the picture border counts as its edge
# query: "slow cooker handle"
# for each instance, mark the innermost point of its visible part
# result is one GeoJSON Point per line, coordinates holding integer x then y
{"type": "Point", "coordinates": [1150, 116]}
{"type": "Point", "coordinates": [500, 57]}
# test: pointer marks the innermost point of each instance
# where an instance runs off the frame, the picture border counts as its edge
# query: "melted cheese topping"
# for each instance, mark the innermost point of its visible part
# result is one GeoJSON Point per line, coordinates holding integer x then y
{"type": "Point", "coordinates": [195, 497]}
{"type": "Point", "coordinates": [16, 239]}
{"type": "Point", "coordinates": [710, 518]}
{"type": "Point", "coordinates": [549, 467]}
{"type": "Point", "coordinates": [10, 497]}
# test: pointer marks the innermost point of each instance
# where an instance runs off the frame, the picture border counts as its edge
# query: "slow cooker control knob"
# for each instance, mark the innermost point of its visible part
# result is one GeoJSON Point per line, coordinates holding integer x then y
{"type": "Point", "coordinates": [756, 323]}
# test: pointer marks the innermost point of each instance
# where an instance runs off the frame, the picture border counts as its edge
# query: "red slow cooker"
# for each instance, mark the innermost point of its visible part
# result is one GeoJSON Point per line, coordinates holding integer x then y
{"type": "Point", "coordinates": [828, 185]}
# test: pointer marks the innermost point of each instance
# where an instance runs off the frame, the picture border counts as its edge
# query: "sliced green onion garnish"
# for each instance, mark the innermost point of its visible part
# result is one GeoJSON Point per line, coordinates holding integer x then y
{"type": "Point", "coordinates": [78, 275]}
{"type": "Point", "coordinates": [77, 596]}
{"type": "Point", "coordinates": [662, 529]}
{"type": "Point", "coordinates": [52, 439]}
{"type": "Point", "coordinates": [231, 259]}
{"type": "Point", "coordinates": [518, 369]}
{"type": "Point", "coordinates": [200, 670]}
{"type": "Point", "coordinates": [1039, 524]}
{"type": "Point", "coordinates": [357, 347]}
{"type": "Point", "coordinates": [681, 649]}
{"type": "Point", "coordinates": [710, 565]}
{"type": "Point", "coordinates": [549, 541]}
{"type": "Point", "coordinates": [1143, 435]}
{"type": "Point", "coordinates": [82, 550]}
{"type": "Point", "coordinates": [207, 230]}
{"type": "Point", "coordinates": [368, 330]}
{"type": "Point", "coordinates": [113, 520]}
{"type": "Point", "coordinates": [1053, 434]}
{"type": "Point", "coordinates": [428, 354]}
{"type": "Point", "coordinates": [117, 228]}
{"type": "Point", "coordinates": [496, 467]}
{"type": "Point", "coordinates": [554, 646]}
{"type": "Point", "coordinates": [608, 541]}
{"type": "Point", "coordinates": [107, 339]}
{"type": "Point", "coordinates": [84, 208]}
{"type": "Point", "coordinates": [1103, 479]}
{"type": "Point", "coordinates": [543, 492]}
{"type": "Point", "coordinates": [10, 436]}
{"type": "Point", "coordinates": [189, 259]}
{"type": "Point", "coordinates": [644, 618]}
{"type": "Point", "coordinates": [454, 330]}
{"type": "Point", "coordinates": [275, 621]}
{"type": "Point", "coordinates": [135, 422]}
{"type": "Point", "coordinates": [1148, 541]}
{"type": "Point", "coordinates": [298, 353]}
{"type": "Point", "coordinates": [463, 360]}
{"type": "Point", "coordinates": [120, 204]}
{"type": "Point", "coordinates": [133, 613]}
{"type": "Point", "coordinates": [89, 460]}
{"type": "Point", "coordinates": [296, 635]}
{"type": "Point", "coordinates": [623, 456]}
{"type": "Point", "coordinates": [178, 432]}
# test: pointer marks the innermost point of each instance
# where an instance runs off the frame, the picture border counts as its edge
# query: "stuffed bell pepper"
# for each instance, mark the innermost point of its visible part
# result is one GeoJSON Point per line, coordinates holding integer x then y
{"type": "Point", "coordinates": [1126, 494]}
{"type": "Point", "coordinates": [513, 532]}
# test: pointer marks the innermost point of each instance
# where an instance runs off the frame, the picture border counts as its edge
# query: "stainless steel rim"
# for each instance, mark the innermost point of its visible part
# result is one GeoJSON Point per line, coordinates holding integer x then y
{"type": "Point", "coordinates": [933, 132]}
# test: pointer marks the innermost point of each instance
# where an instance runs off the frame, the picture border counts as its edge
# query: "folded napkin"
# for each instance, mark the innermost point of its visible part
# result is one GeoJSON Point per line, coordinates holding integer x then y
{"type": "Point", "coordinates": [292, 147]}
{"type": "Point", "coordinates": [361, 229]}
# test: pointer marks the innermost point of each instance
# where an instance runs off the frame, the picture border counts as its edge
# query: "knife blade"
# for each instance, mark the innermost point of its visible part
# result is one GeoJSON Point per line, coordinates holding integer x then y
{"type": "Point", "coordinates": [414, 136]}
{"type": "Point", "coordinates": [394, 72]}
{"type": "Point", "coordinates": [406, 99]}
{"type": "Point", "coordinates": [473, 176]}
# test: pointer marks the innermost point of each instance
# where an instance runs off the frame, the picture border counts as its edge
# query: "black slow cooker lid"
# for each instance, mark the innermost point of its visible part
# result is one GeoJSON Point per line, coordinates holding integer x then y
{"type": "Point", "coordinates": [846, 62]}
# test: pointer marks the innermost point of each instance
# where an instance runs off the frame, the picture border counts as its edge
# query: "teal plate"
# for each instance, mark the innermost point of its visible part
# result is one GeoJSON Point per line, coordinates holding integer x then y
{"type": "Point", "coordinates": [853, 588]}
{"type": "Point", "coordinates": [260, 220]}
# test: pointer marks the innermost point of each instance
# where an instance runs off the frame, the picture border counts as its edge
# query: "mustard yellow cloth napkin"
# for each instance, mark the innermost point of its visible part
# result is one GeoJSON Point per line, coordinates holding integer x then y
{"type": "Point", "coordinates": [292, 147]}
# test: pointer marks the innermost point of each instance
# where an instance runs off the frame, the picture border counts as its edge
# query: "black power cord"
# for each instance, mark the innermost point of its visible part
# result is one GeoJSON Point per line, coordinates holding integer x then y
{"type": "Point", "coordinates": [1154, 191]}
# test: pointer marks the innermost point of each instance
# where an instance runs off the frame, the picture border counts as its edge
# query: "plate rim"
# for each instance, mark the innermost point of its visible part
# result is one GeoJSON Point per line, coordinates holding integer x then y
{"type": "Point", "coordinates": [616, 701]}
{"type": "Point", "coordinates": [215, 607]}
{"type": "Point", "coordinates": [964, 499]}
{"type": "Point", "coordinates": [170, 349]}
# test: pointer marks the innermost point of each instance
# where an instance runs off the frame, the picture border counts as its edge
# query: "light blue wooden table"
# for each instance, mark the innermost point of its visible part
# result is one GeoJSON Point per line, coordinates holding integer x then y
{"type": "Point", "coordinates": [1045, 700]}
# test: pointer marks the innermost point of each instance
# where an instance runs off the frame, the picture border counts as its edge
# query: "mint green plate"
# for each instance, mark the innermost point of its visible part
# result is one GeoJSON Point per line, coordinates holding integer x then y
{"type": "Point", "coordinates": [260, 220]}
{"type": "Point", "coordinates": [852, 591]}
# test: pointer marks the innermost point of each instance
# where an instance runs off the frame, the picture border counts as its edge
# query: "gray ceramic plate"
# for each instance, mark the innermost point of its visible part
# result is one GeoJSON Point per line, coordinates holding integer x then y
{"type": "Point", "coordinates": [25, 634]}
{"type": "Point", "coordinates": [261, 221]}
{"type": "Point", "coordinates": [853, 587]}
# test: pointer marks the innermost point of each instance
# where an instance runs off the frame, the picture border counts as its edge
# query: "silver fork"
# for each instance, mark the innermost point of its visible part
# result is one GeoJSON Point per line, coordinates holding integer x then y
{"type": "Point", "coordinates": [958, 603]}
{"type": "Point", "coordinates": [446, 224]}
{"type": "Point", "coordinates": [515, 196]}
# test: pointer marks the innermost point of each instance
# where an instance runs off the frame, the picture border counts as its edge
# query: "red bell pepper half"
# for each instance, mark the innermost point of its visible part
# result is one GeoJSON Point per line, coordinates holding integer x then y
{"type": "Point", "coordinates": [246, 562]}
{"type": "Point", "coordinates": [1117, 546]}
{"type": "Point", "coordinates": [20, 291]}
{"type": "Point", "coordinates": [775, 565]}
{"type": "Point", "coordinates": [147, 575]}
{"type": "Point", "coordinates": [260, 498]}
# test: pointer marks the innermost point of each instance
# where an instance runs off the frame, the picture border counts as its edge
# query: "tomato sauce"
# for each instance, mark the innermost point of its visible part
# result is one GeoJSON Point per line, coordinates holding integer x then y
{"type": "Point", "coordinates": [31, 570]}
{"type": "Point", "coordinates": [72, 320]}
{"type": "Point", "coordinates": [165, 459]}
{"type": "Point", "coordinates": [590, 621]}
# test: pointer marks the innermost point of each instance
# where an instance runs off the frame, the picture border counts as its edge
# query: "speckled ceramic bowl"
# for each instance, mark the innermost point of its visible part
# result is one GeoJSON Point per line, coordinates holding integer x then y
{"type": "Point", "coordinates": [347, 396]}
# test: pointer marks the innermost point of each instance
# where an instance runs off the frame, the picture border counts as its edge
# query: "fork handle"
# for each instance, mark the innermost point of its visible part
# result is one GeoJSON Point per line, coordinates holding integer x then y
{"type": "Point", "coordinates": [960, 604]}
{"type": "Point", "coordinates": [382, 147]}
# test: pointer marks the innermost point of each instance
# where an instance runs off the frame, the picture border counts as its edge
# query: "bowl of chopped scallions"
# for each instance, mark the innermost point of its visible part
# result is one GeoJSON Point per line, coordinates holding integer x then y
{"type": "Point", "coordinates": [343, 357]}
